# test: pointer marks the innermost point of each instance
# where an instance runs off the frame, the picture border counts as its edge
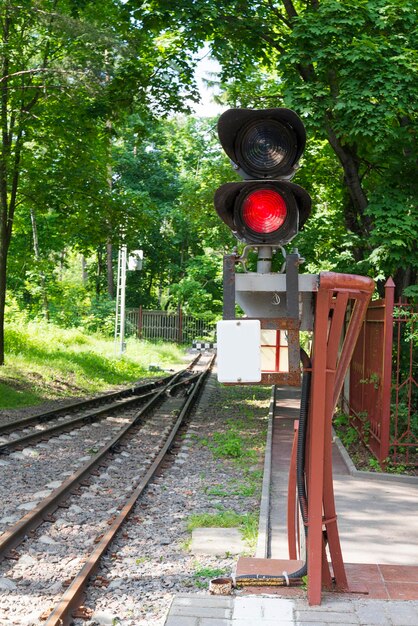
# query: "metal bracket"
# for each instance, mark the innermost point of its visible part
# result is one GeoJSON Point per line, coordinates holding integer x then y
{"type": "Point", "coordinates": [229, 286]}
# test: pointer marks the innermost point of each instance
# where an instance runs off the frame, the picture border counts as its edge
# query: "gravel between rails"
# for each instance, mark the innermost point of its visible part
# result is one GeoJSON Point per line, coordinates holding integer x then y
{"type": "Point", "coordinates": [32, 474]}
{"type": "Point", "coordinates": [149, 561]}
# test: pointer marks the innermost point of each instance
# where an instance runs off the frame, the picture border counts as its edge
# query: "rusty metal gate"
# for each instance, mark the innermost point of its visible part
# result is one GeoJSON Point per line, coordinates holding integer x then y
{"type": "Point", "coordinates": [383, 387]}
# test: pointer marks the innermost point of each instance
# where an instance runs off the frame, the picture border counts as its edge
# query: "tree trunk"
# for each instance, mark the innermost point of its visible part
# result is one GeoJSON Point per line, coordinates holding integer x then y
{"type": "Point", "coordinates": [404, 277]}
{"type": "Point", "coordinates": [99, 272]}
{"type": "Point", "coordinates": [3, 266]}
{"type": "Point", "coordinates": [84, 275]}
{"type": "Point", "coordinates": [37, 259]}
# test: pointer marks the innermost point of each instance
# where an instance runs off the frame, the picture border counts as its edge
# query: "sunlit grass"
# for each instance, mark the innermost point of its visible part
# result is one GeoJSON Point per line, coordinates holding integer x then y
{"type": "Point", "coordinates": [44, 361]}
{"type": "Point", "coordinates": [247, 523]}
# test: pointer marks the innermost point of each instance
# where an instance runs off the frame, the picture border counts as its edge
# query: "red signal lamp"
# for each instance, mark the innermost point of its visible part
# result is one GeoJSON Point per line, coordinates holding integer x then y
{"type": "Point", "coordinates": [269, 213]}
{"type": "Point", "coordinates": [264, 211]}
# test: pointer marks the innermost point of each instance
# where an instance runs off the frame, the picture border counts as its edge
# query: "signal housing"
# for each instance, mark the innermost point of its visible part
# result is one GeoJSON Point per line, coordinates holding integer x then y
{"type": "Point", "coordinates": [265, 147]}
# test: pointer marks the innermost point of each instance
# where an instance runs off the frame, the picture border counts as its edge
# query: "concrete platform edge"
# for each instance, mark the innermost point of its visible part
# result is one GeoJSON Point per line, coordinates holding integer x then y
{"type": "Point", "coordinates": [353, 471]}
{"type": "Point", "coordinates": [262, 548]}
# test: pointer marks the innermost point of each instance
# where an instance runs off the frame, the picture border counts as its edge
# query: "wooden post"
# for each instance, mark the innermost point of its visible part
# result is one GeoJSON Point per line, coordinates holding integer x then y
{"type": "Point", "coordinates": [140, 322]}
{"type": "Point", "coordinates": [180, 325]}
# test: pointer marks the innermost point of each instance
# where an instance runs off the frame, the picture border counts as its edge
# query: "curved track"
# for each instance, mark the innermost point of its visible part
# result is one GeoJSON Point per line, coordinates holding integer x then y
{"type": "Point", "coordinates": [127, 462]}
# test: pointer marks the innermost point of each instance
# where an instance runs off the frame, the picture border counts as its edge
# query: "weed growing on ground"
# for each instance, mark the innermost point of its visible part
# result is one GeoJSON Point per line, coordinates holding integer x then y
{"type": "Point", "coordinates": [247, 523]}
{"type": "Point", "coordinates": [202, 575]}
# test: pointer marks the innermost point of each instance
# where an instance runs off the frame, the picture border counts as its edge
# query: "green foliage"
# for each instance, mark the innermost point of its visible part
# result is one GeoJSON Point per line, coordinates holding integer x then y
{"type": "Point", "coordinates": [202, 575]}
{"type": "Point", "coordinates": [97, 163]}
{"type": "Point", "coordinates": [349, 69]}
{"type": "Point", "coordinates": [374, 465]}
{"type": "Point", "coordinates": [228, 444]}
{"type": "Point", "coordinates": [245, 490]}
{"type": "Point", "coordinates": [176, 165]}
{"type": "Point", "coordinates": [374, 379]}
{"type": "Point", "coordinates": [16, 395]}
{"type": "Point", "coordinates": [247, 523]}
{"type": "Point", "coordinates": [344, 430]}
{"type": "Point", "coordinates": [45, 361]}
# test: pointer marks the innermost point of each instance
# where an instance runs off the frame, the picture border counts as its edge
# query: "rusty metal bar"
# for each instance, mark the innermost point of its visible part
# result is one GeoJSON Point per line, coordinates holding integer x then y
{"type": "Point", "coordinates": [329, 366]}
{"type": "Point", "coordinates": [292, 286]}
{"type": "Point", "coordinates": [330, 518]}
{"type": "Point", "coordinates": [346, 282]}
{"type": "Point", "coordinates": [353, 330]}
{"type": "Point", "coordinates": [229, 286]}
{"type": "Point", "coordinates": [316, 449]}
{"type": "Point", "coordinates": [386, 371]}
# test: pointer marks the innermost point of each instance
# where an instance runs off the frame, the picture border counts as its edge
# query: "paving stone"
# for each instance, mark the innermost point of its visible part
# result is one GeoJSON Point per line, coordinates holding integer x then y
{"type": "Point", "coordinates": [175, 620]}
{"type": "Point", "coordinates": [298, 623]}
{"type": "Point", "coordinates": [201, 611]}
{"type": "Point", "coordinates": [327, 617]}
{"type": "Point", "coordinates": [217, 541]}
{"type": "Point", "coordinates": [257, 609]}
{"type": "Point", "coordinates": [372, 613]}
{"type": "Point", "coordinates": [268, 622]}
{"type": "Point", "coordinates": [225, 602]}
{"type": "Point", "coordinates": [277, 608]}
{"type": "Point", "coordinates": [403, 613]}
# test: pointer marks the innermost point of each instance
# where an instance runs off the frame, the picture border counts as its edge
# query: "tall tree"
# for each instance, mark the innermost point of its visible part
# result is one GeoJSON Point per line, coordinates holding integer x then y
{"type": "Point", "coordinates": [349, 69]}
{"type": "Point", "coordinates": [64, 60]}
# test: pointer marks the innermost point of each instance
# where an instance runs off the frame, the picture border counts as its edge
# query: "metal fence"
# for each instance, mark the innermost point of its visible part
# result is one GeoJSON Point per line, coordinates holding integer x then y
{"type": "Point", "coordinates": [383, 384]}
{"type": "Point", "coordinates": [162, 325]}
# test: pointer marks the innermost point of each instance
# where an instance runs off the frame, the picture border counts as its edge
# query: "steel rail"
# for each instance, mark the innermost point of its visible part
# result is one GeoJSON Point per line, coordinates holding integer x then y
{"type": "Point", "coordinates": [71, 424]}
{"type": "Point", "coordinates": [61, 615]}
{"type": "Point", "coordinates": [81, 404]}
{"type": "Point", "coordinates": [14, 535]}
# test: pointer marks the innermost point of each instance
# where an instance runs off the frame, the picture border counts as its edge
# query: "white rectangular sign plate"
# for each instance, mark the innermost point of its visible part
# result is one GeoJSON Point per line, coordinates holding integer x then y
{"type": "Point", "coordinates": [238, 354]}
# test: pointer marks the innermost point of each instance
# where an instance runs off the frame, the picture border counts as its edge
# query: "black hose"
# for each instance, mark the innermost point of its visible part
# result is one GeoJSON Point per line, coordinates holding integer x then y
{"type": "Point", "coordinates": [303, 427]}
{"type": "Point", "coordinates": [300, 470]}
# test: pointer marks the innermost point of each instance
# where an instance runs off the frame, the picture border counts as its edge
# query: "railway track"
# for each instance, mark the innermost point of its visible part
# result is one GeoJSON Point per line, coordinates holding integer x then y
{"type": "Point", "coordinates": [40, 461]}
{"type": "Point", "coordinates": [20, 432]}
{"type": "Point", "coordinates": [111, 482]}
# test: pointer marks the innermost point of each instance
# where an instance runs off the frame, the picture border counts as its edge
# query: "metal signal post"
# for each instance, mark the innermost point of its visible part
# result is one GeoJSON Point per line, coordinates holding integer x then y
{"type": "Point", "coordinates": [265, 211]}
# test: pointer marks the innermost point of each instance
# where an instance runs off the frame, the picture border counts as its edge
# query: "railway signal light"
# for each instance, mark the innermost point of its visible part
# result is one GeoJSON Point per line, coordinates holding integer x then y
{"type": "Point", "coordinates": [265, 147]}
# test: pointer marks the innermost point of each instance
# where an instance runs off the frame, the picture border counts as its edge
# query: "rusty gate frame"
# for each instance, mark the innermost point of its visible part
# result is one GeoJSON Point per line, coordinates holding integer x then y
{"type": "Point", "coordinates": [382, 436]}
{"type": "Point", "coordinates": [330, 361]}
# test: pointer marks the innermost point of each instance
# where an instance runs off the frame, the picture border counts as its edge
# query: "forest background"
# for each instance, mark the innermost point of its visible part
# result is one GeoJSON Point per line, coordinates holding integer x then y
{"type": "Point", "coordinates": [98, 146]}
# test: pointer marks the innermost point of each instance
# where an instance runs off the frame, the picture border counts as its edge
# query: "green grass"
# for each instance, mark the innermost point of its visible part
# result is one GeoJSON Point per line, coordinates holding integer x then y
{"type": "Point", "coordinates": [12, 397]}
{"type": "Point", "coordinates": [247, 523]}
{"type": "Point", "coordinates": [45, 362]}
{"type": "Point", "coordinates": [202, 575]}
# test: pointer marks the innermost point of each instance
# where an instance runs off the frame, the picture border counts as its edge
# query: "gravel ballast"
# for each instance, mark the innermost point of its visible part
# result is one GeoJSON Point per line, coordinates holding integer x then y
{"type": "Point", "coordinates": [150, 561]}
